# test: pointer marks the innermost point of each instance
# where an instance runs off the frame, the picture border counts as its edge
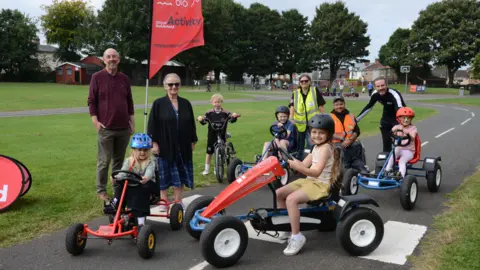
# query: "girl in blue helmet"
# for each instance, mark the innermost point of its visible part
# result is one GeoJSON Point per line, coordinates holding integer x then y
{"type": "Point", "coordinates": [138, 198]}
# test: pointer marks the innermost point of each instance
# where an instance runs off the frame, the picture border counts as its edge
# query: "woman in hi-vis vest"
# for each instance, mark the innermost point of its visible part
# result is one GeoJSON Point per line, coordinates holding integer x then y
{"type": "Point", "coordinates": [306, 101]}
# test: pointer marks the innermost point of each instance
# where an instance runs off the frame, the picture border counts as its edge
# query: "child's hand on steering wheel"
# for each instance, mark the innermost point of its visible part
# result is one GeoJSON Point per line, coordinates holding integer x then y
{"type": "Point", "coordinates": [279, 124]}
{"type": "Point", "coordinates": [144, 180]}
{"type": "Point", "coordinates": [294, 164]}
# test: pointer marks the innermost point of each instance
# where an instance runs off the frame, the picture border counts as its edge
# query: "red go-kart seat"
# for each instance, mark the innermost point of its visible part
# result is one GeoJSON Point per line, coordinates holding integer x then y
{"type": "Point", "coordinates": [418, 149]}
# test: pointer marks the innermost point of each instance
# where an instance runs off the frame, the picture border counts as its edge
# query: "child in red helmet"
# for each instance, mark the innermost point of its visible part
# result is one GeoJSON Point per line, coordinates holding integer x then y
{"type": "Point", "coordinates": [403, 153]}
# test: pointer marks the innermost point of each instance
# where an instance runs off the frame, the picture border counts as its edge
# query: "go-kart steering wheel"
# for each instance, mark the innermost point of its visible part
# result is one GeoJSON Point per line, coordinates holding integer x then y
{"type": "Point", "coordinates": [132, 177]}
{"type": "Point", "coordinates": [285, 152]}
{"type": "Point", "coordinates": [398, 139]}
{"type": "Point", "coordinates": [282, 132]}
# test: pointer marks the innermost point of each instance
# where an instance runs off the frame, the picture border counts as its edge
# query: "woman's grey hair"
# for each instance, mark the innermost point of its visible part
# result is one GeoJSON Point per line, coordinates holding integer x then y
{"type": "Point", "coordinates": [171, 75]}
{"type": "Point", "coordinates": [305, 75]}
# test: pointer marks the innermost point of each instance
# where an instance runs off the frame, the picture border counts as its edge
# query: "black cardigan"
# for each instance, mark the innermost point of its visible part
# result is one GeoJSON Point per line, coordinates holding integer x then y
{"type": "Point", "coordinates": [162, 128]}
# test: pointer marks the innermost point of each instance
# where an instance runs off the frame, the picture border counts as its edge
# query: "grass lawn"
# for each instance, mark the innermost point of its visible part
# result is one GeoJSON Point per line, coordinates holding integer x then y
{"type": "Point", "coordinates": [60, 151]}
{"type": "Point", "coordinates": [456, 240]}
{"type": "Point", "coordinates": [459, 101]}
{"type": "Point", "coordinates": [31, 96]}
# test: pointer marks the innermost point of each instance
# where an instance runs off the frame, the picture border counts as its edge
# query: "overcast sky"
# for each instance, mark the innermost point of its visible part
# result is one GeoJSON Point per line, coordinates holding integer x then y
{"type": "Point", "coordinates": [382, 16]}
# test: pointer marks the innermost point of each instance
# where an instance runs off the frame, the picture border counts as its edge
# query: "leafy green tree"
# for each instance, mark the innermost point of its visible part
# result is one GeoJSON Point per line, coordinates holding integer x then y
{"type": "Point", "coordinates": [66, 24]}
{"type": "Point", "coordinates": [396, 53]}
{"type": "Point", "coordinates": [476, 67]}
{"type": "Point", "coordinates": [339, 36]}
{"type": "Point", "coordinates": [18, 46]}
{"type": "Point", "coordinates": [293, 37]}
{"type": "Point", "coordinates": [449, 31]}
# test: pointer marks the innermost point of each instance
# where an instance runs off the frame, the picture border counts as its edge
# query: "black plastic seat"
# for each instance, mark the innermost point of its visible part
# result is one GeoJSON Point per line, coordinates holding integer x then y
{"type": "Point", "coordinates": [334, 195]}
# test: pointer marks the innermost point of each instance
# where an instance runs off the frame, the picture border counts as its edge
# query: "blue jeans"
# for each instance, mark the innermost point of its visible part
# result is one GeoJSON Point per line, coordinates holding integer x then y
{"type": "Point", "coordinates": [301, 137]}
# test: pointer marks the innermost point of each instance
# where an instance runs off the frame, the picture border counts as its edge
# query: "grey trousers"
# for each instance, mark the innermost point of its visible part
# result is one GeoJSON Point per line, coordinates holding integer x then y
{"type": "Point", "coordinates": [112, 145]}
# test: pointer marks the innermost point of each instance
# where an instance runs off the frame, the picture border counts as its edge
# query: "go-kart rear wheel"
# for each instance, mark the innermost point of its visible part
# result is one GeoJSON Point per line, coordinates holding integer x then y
{"type": "Point", "coordinates": [284, 180]}
{"type": "Point", "coordinates": [224, 241]}
{"type": "Point", "coordinates": [146, 242]}
{"type": "Point", "coordinates": [234, 170]}
{"type": "Point", "coordinates": [350, 183]}
{"type": "Point", "coordinates": [195, 205]}
{"type": "Point", "coordinates": [409, 192]}
{"type": "Point", "coordinates": [75, 239]}
{"type": "Point", "coordinates": [434, 178]}
{"type": "Point", "coordinates": [176, 216]}
{"type": "Point", "coordinates": [360, 231]}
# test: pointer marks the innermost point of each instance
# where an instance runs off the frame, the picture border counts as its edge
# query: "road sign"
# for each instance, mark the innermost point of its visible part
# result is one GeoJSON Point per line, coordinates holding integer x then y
{"type": "Point", "coordinates": [405, 69]}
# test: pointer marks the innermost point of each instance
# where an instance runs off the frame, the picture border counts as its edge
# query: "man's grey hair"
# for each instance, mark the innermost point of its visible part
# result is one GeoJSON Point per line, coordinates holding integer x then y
{"type": "Point", "coordinates": [379, 79]}
{"type": "Point", "coordinates": [175, 75]}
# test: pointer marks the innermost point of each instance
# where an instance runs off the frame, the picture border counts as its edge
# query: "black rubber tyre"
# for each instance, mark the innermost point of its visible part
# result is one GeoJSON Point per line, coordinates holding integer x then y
{"type": "Point", "coordinates": [285, 180]}
{"type": "Point", "coordinates": [230, 234]}
{"type": "Point", "coordinates": [350, 184]}
{"type": "Point", "coordinates": [74, 240]}
{"type": "Point", "coordinates": [195, 205]}
{"type": "Point", "coordinates": [219, 165]}
{"type": "Point", "coordinates": [231, 171]}
{"type": "Point", "coordinates": [408, 186]}
{"type": "Point", "coordinates": [370, 225]}
{"type": "Point", "coordinates": [176, 216]}
{"type": "Point", "coordinates": [146, 242]}
{"type": "Point", "coordinates": [433, 183]}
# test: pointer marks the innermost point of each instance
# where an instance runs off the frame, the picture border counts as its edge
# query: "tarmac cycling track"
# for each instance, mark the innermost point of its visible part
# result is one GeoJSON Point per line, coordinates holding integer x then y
{"type": "Point", "coordinates": [450, 134]}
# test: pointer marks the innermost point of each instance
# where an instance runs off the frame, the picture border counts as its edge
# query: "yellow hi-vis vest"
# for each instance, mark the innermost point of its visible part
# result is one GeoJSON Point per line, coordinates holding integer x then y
{"type": "Point", "coordinates": [304, 110]}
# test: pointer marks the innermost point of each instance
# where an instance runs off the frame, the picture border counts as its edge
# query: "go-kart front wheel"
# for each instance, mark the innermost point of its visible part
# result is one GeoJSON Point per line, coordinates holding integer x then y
{"type": "Point", "coordinates": [409, 192]}
{"type": "Point", "coordinates": [360, 231]}
{"type": "Point", "coordinates": [146, 242]}
{"type": "Point", "coordinates": [350, 182]}
{"type": "Point", "coordinates": [75, 239]}
{"type": "Point", "coordinates": [224, 241]}
{"type": "Point", "coordinates": [197, 204]}
{"type": "Point", "coordinates": [434, 178]}
{"type": "Point", "coordinates": [284, 180]}
{"type": "Point", "coordinates": [176, 216]}
{"type": "Point", "coordinates": [234, 170]}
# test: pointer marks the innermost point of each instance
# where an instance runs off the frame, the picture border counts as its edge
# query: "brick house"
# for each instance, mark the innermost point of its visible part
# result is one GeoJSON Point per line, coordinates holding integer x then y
{"type": "Point", "coordinates": [78, 72]}
{"type": "Point", "coordinates": [376, 69]}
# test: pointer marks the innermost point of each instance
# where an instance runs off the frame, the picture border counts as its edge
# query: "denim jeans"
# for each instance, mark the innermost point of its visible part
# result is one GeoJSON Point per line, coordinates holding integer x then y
{"type": "Point", "coordinates": [301, 137]}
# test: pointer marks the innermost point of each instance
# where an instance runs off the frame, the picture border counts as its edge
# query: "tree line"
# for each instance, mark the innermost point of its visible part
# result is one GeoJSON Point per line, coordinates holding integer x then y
{"type": "Point", "coordinates": [255, 40]}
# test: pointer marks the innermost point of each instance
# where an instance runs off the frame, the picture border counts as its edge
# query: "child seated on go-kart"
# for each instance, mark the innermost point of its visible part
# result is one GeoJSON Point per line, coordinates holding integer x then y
{"type": "Point", "coordinates": [215, 115]}
{"type": "Point", "coordinates": [289, 142]}
{"type": "Point", "coordinates": [403, 153]}
{"type": "Point", "coordinates": [322, 168]}
{"type": "Point", "coordinates": [137, 198]}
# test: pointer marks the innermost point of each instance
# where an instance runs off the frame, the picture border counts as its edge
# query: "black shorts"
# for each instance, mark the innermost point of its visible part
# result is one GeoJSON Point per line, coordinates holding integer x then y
{"type": "Point", "coordinates": [212, 139]}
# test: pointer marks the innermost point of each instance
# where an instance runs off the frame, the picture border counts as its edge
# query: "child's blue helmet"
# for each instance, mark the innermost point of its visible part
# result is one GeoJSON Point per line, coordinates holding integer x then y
{"type": "Point", "coordinates": [141, 141]}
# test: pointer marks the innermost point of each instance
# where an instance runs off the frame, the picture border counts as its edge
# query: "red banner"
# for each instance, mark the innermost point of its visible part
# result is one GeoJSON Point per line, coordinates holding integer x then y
{"type": "Point", "coordinates": [177, 25]}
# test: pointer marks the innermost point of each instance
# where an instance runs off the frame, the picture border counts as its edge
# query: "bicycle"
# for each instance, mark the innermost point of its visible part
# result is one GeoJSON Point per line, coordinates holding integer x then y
{"type": "Point", "coordinates": [224, 151]}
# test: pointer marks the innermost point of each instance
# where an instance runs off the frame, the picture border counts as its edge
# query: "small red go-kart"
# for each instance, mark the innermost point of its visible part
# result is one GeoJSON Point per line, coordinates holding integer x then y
{"type": "Point", "coordinates": [224, 238]}
{"type": "Point", "coordinates": [124, 224]}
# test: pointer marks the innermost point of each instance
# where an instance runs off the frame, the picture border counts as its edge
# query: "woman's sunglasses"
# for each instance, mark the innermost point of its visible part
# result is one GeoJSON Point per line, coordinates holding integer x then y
{"type": "Point", "coordinates": [172, 84]}
{"type": "Point", "coordinates": [304, 81]}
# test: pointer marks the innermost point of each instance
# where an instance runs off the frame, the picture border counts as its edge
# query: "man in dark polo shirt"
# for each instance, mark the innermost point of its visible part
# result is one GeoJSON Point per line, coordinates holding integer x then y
{"type": "Point", "coordinates": [111, 106]}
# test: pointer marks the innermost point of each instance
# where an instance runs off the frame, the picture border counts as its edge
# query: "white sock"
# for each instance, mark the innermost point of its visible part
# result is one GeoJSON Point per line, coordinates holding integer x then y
{"type": "Point", "coordinates": [297, 236]}
{"type": "Point", "coordinates": [207, 167]}
{"type": "Point", "coordinates": [141, 221]}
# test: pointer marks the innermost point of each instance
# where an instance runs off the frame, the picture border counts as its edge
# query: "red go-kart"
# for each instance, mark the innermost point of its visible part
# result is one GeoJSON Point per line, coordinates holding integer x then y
{"type": "Point", "coordinates": [123, 225]}
{"type": "Point", "coordinates": [224, 238]}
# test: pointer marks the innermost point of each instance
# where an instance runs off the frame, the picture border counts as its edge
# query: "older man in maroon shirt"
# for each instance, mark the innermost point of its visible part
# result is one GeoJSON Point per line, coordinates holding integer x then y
{"type": "Point", "coordinates": [111, 107]}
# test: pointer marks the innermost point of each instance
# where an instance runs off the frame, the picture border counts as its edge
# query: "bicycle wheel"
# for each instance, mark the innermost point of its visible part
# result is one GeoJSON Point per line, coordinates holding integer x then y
{"type": "Point", "coordinates": [219, 164]}
{"type": "Point", "coordinates": [230, 153]}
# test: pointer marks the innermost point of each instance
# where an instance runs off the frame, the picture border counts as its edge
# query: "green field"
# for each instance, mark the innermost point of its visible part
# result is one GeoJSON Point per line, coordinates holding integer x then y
{"type": "Point", "coordinates": [455, 242]}
{"type": "Point", "coordinates": [60, 151]}
{"type": "Point", "coordinates": [30, 96]}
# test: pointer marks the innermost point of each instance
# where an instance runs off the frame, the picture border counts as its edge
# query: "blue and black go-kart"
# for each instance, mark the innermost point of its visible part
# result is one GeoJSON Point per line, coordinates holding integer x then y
{"type": "Point", "coordinates": [381, 180]}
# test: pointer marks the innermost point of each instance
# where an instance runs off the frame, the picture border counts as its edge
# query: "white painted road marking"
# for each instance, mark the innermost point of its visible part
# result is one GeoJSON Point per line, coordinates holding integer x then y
{"type": "Point", "coordinates": [443, 133]}
{"type": "Point", "coordinates": [462, 109]}
{"type": "Point", "coordinates": [473, 115]}
{"type": "Point", "coordinates": [425, 143]}
{"type": "Point", "coordinates": [156, 210]}
{"type": "Point", "coordinates": [200, 266]}
{"type": "Point", "coordinates": [466, 121]}
{"type": "Point", "coordinates": [399, 241]}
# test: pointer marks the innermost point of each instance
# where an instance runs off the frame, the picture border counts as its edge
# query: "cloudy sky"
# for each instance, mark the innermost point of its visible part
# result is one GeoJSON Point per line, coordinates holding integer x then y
{"type": "Point", "coordinates": [382, 16]}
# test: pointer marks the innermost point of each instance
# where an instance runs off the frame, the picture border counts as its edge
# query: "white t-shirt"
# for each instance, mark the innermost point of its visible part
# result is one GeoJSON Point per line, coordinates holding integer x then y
{"type": "Point", "coordinates": [324, 177]}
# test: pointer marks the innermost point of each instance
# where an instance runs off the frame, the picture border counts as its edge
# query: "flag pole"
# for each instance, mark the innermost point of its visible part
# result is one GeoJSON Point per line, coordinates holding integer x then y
{"type": "Point", "coordinates": [152, 2]}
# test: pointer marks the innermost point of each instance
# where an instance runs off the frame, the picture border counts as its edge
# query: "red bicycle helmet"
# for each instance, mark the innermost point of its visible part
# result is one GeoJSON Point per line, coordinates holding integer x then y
{"type": "Point", "coordinates": [405, 111]}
